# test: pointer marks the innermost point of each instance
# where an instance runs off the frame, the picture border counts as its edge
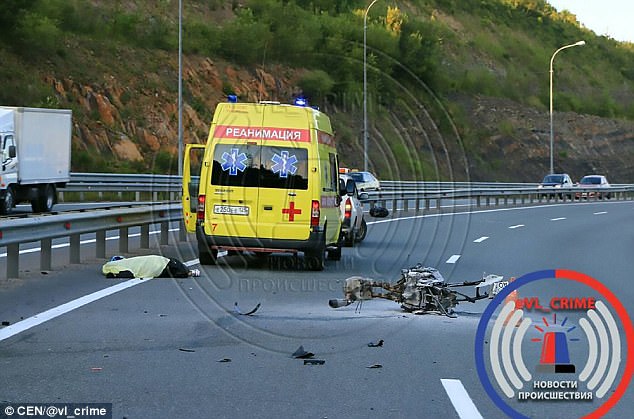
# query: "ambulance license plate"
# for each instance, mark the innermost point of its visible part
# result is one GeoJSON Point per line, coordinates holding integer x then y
{"type": "Point", "coordinates": [231, 210]}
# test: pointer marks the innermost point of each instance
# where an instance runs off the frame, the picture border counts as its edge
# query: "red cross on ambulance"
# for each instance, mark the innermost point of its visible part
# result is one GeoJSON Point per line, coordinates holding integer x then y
{"type": "Point", "coordinates": [291, 211]}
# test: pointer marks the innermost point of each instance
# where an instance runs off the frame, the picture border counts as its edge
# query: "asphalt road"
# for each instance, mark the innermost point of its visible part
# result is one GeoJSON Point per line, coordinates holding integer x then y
{"type": "Point", "coordinates": [153, 349]}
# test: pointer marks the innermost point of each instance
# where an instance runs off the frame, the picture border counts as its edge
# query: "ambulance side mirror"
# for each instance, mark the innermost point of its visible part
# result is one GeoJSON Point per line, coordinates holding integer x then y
{"type": "Point", "coordinates": [342, 187]}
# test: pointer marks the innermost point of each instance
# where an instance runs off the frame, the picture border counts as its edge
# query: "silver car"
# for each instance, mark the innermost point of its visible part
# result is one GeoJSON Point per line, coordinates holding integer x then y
{"type": "Point", "coordinates": [353, 225]}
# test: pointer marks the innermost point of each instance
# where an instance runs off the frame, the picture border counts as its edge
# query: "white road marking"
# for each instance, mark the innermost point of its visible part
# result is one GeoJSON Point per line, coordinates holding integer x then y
{"type": "Point", "coordinates": [481, 239]}
{"type": "Point", "coordinates": [600, 213]}
{"type": "Point", "coordinates": [453, 259]}
{"type": "Point", "coordinates": [558, 219]}
{"type": "Point", "coordinates": [460, 399]}
{"type": "Point", "coordinates": [26, 324]}
{"type": "Point", "coordinates": [517, 226]}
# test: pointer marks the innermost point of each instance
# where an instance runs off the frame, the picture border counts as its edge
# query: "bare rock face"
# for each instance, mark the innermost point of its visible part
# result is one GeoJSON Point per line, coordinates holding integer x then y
{"type": "Point", "coordinates": [129, 121]}
{"type": "Point", "coordinates": [125, 149]}
{"type": "Point", "coordinates": [515, 140]}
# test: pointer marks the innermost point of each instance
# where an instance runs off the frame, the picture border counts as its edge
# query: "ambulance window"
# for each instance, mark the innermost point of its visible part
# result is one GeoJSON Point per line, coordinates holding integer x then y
{"type": "Point", "coordinates": [236, 165]}
{"type": "Point", "coordinates": [284, 168]}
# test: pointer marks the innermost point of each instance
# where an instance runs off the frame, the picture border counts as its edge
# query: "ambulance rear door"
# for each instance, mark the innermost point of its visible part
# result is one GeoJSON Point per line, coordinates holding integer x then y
{"type": "Point", "coordinates": [232, 197]}
{"type": "Point", "coordinates": [192, 161]}
{"type": "Point", "coordinates": [284, 208]}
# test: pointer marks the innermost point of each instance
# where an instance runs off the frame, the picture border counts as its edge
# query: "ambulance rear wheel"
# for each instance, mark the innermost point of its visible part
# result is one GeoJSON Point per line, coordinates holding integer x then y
{"type": "Point", "coordinates": [207, 256]}
{"type": "Point", "coordinates": [315, 259]}
{"type": "Point", "coordinates": [334, 253]}
{"type": "Point", "coordinates": [350, 239]}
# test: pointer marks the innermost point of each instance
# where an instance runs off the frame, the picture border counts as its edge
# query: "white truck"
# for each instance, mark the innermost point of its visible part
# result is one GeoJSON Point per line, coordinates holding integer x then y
{"type": "Point", "coordinates": [35, 148]}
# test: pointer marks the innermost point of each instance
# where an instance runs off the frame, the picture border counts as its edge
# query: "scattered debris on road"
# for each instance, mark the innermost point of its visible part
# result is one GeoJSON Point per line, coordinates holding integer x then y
{"type": "Point", "coordinates": [314, 362]}
{"type": "Point", "coordinates": [186, 350]}
{"type": "Point", "coordinates": [300, 353]}
{"type": "Point", "coordinates": [237, 310]}
{"type": "Point", "coordinates": [375, 366]}
{"type": "Point", "coordinates": [376, 344]}
{"type": "Point", "coordinates": [224, 360]}
{"type": "Point", "coordinates": [420, 290]}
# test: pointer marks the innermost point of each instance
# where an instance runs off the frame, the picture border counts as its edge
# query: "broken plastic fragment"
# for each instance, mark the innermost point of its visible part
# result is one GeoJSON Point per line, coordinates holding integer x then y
{"type": "Point", "coordinates": [376, 344]}
{"type": "Point", "coordinates": [237, 310]}
{"type": "Point", "coordinates": [314, 362]}
{"type": "Point", "coordinates": [375, 366]}
{"type": "Point", "coordinates": [300, 353]}
{"type": "Point", "coordinates": [186, 350]}
{"type": "Point", "coordinates": [224, 360]}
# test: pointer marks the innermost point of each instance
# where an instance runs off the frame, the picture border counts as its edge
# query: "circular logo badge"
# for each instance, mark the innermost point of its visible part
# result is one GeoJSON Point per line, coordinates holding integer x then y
{"type": "Point", "coordinates": [546, 349]}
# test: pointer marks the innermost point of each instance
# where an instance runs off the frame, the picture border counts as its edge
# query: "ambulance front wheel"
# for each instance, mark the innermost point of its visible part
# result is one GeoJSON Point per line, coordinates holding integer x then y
{"type": "Point", "coordinates": [207, 256]}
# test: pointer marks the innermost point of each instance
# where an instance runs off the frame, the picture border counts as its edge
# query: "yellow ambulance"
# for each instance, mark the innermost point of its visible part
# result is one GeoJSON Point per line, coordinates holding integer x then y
{"type": "Point", "coordinates": [265, 182]}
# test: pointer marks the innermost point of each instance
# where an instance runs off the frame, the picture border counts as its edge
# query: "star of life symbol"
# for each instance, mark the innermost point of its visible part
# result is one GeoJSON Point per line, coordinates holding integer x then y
{"type": "Point", "coordinates": [234, 162]}
{"type": "Point", "coordinates": [284, 164]}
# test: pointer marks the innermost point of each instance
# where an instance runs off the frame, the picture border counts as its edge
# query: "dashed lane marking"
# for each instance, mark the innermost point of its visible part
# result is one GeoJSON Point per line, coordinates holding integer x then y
{"type": "Point", "coordinates": [460, 399]}
{"type": "Point", "coordinates": [453, 259]}
{"type": "Point", "coordinates": [481, 239]}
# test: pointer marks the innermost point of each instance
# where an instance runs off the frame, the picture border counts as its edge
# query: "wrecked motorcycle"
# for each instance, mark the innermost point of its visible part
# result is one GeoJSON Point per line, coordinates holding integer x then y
{"type": "Point", "coordinates": [420, 290]}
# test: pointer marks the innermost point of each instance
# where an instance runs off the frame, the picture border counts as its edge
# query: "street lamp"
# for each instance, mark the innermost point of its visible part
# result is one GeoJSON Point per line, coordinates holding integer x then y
{"type": "Point", "coordinates": [576, 44]}
{"type": "Point", "coordinates": [365, 87]}
{"type": "Point", "coordinates": [180, 87]}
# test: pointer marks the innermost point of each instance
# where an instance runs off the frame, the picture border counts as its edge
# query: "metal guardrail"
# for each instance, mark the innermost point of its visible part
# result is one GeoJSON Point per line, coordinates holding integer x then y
{"type": "Point", "coordinates": [485, 196]}
{"type": "Point", "coordinates": [388, 185]}
{"type": "Point", "coordinates": [45, 228]}
{"type": "Point", "coordinates": [148, 183]}
{"type": "Point", "coordinates": [120, 183]}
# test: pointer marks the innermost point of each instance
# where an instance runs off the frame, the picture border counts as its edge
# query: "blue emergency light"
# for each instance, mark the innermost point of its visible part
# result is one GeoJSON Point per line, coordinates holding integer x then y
{"type": "Point", "coordinates": [232, 98]}
{"type": "Point", "coordinates": [300, 101]}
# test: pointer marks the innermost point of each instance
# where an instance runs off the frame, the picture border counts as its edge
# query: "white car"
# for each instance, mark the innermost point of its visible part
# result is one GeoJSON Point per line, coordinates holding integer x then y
{"type": "Point", "coordinates": [353, 225]}
{"type": "Point", "coordinates": [365, 181]}
{"type": "Point", "coordinates": [556, 181]}
{"type": "Point", "coordinates": [594, 181]}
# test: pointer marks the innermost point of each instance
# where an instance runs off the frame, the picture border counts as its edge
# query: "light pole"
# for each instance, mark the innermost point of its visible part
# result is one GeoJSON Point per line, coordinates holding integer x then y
{"type": "Point", "coordinates": [180, 87]}
{"type": "Point", "coordinates": [576, 44]}
{"type": "Point", "coordinates": [365, 87]}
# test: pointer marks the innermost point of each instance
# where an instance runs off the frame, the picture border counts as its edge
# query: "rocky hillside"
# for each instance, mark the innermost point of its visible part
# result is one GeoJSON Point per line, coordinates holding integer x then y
{"type": "Point", "coordinates": [456, 91]}
{"type": "Point", "coordinates": [128, 122]}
